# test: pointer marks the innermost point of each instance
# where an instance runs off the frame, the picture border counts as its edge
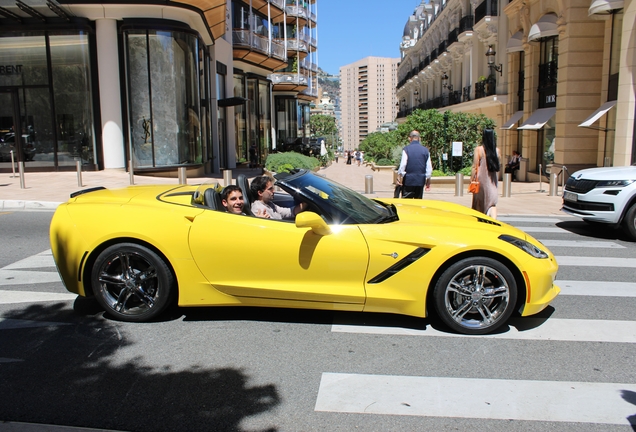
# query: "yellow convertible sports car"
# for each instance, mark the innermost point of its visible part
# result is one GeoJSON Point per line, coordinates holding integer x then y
{"type": "Point", "coordinates": [139, 248]}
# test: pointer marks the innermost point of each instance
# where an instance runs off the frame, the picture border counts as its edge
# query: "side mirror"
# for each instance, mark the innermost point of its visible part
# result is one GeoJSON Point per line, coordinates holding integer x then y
{"type": "Point", "coordinates": [308, 219]}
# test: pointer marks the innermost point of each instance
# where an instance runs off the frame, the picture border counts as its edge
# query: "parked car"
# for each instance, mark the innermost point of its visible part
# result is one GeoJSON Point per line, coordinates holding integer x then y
{"type": "Point", "coordinates": [139, 248]}
{"type": "Point", "coordinates": [603, 195]}
{"type": "Point", "coordinates": [8, 144]}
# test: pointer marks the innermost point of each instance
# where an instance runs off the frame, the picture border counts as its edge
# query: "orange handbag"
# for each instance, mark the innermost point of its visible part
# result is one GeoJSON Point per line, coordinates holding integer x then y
{"type": "Point", "coordinates": [474, 183]}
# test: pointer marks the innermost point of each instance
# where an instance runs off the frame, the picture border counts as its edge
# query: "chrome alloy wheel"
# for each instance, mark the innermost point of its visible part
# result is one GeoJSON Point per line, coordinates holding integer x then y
{"type": "Point", "coordinates": [131, 282]}
{"type": "Point", "coordinates": [477, 297]}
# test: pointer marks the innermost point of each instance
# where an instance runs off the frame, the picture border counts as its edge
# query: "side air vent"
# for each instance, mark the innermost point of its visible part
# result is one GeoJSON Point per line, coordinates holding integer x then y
{"type": "Point", "coordinates": [486, 221]}
{"type": "Point", "coordinates": [400, 265]}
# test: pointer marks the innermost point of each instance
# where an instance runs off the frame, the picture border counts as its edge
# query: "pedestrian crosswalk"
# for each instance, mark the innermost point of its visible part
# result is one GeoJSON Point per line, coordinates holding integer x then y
{"type": "Point", "coordinates": [531, 398]}
{"type": "Point", "coordinates": [596, 278]}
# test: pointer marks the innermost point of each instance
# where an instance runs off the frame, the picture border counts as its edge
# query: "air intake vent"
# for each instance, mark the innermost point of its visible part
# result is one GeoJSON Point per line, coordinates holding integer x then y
{"type": "Point", "coordinates": [482, 220]}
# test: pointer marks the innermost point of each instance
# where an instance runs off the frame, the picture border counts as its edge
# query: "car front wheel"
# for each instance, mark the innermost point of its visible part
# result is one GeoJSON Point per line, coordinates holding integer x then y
{"type": "Point", "coordinates": [475, 295]}
{"type": "Point", "coordinates": [629, 222]}
{"type": "Point", "coordinates": [132, 282]}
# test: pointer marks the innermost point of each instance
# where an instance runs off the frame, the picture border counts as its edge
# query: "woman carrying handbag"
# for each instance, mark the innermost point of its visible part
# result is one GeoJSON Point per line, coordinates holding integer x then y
{"type": "Point", "coordinates": [484, 175]}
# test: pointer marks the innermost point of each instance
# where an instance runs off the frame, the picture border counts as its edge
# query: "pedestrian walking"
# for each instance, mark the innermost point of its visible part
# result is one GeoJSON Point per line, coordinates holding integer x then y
{"type": "Point", "coordinates": [349, 157]}
{"type": "Point", "coordinates": [485, 170]}
{"type": "Point", "coordinates": [415, 168]}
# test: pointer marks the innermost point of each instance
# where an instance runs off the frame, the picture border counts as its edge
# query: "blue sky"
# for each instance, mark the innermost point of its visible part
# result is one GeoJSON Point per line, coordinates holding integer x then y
{"type": "Point", "coordinates": [350, 30]}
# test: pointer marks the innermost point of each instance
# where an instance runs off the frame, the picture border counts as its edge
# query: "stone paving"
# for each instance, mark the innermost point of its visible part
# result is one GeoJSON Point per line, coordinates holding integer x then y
{"type": "Point", "coordinates": [47, 190]}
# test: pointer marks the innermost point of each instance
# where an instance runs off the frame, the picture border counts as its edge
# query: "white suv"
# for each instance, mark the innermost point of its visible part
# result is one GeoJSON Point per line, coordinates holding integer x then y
{"type": "Point", "coordinates": [604, 195]}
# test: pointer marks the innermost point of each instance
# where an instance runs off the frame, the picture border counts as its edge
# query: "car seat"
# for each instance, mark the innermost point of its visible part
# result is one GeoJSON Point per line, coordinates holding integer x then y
{"type": "Point", "coordinates": [212, 199]}
{"type": "Point", "coordinates": [243, 183]}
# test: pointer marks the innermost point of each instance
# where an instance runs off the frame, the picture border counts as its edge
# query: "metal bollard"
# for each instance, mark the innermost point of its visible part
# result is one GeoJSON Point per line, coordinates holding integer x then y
{"type": "Point", "coordinates": [368, 184]}
{"type": "Point", "coordinates": [227, 177]}
{"type": "Point", "coordinates": [131, 172]}
{"type": "Point", "coordinates": [554, 184]}
{"type": "Point", "coordinates": [540, 179]}
{"type": "Point", "coordinates": [12, 165]}
{"type": "Point", "coordinates": [78, 166]}
{"type": "Point", "coordinates": [507, 185]}
{"type": "Point", "coordinates": [183, 177]}
{"type": "Point", "coordinates": [21, 169]}
{"type": "Point", "coordinates": [459, 184]}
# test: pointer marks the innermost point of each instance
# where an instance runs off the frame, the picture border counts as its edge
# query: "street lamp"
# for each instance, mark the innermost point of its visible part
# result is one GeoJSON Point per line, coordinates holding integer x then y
{"type": "Point", "coordinates": [491, 60]}
{"type": "Point", "coordinates": [445, 83]}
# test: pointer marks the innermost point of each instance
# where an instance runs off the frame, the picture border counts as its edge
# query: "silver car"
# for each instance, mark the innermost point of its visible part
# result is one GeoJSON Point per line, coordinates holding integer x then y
{"type": "Point", "coordinates": [603, 195]}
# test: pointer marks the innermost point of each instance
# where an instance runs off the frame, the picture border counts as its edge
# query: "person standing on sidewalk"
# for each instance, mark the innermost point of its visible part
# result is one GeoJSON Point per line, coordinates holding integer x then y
{"type": "Point", "coordinates": [415, 168]}
{"type": "Point", "coordinates": [485, 169]}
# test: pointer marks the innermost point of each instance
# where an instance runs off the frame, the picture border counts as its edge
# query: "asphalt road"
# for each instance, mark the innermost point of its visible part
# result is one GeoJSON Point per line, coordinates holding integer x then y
{"type": "Point", "coordinates": [571, 368]}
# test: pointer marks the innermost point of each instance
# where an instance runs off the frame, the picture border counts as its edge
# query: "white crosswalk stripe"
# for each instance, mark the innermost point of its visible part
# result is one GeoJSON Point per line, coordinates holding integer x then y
{"type": "Point", "coordinates": [580, 402]}
{"type": "Point", "coordinates": [9, 297]}
{"type": "Point", "coordinates": [553, 329]}
{"type": "Point", "coordinates": [582, 244]}
{"type": "Point", "coordinates": [597, 288]}
{"type": "Point", "coordinates": [596, 261]}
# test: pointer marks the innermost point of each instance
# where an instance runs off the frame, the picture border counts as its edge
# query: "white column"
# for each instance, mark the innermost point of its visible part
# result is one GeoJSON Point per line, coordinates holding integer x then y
{"type": "Point", "coordinates": [109, 93]}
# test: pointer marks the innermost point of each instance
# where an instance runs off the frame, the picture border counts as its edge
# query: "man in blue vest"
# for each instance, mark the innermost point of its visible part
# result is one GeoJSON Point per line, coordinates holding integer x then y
{"type": "Point", "coordinates": [415, 168]}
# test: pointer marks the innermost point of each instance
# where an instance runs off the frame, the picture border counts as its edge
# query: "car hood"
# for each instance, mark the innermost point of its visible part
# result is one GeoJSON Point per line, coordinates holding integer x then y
{"type": "Point", "coordinates": [449, 216]}
{"type": "Point", "coordinates": [607, 173]}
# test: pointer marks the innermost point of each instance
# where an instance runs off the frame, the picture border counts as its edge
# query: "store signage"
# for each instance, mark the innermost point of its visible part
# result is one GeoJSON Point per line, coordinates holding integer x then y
{"type": "Point", "coordinates": [10, 69]}
{"type": "Point", "coordinates": [550, 99]}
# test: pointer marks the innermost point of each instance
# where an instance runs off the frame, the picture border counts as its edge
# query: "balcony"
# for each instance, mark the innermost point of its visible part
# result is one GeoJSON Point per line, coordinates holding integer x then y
{"type": "Point", "coordinates": [276, 8]}
{"type": "Point", "coordinates": [254, 48]}
{"type": "Point", "coordinates": [466, 24]}
{"type": "Point", "coordinates": [297, 46]}
{"type": "Point", "coordinates": [289, 81]}
{"type": "Point", "coordinates": [296, 12]}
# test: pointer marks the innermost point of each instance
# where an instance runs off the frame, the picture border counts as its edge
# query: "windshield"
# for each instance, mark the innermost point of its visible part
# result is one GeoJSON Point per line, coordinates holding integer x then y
{"type": "Point", "coordinates": [338, 203]}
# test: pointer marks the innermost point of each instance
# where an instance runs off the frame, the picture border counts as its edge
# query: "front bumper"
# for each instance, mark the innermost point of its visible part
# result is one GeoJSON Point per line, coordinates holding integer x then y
{"type": "Point", "coordinates": [540, 287]}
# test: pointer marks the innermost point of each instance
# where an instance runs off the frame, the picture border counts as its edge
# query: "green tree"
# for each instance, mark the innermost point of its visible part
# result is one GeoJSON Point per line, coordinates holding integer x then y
{"type": "Point", "coordinates": [439, 130]}
{"type": "Point", "coordinates": [321, 125]}
{"type": "Point", "coordinates": [380, 145]}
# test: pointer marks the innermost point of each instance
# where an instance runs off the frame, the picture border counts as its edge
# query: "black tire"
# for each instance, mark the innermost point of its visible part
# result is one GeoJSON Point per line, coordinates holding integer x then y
{"type": "Point", "coordinates": [629, 222]}
{"type": "Point", "coordinates": [475, 295]}
{"type": "Point", "coordinates": [131, 282]}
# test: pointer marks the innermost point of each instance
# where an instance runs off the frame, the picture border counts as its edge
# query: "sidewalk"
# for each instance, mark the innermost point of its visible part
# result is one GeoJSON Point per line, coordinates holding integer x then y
{"type": "Point", "coordinates": [45, 191]}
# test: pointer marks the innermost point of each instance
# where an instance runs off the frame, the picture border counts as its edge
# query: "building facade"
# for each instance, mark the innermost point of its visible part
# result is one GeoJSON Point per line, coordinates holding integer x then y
{"type": "Point", "coordinates": [556, 76]}
{"type": "Point", "coordinates": [201, 84]}
{"type": "Point", "coordinates": [367, 98]}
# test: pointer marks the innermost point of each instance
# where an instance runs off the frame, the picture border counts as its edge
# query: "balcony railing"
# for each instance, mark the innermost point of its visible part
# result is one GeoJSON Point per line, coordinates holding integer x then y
{"type": "Point", "coordinates": [288, 78]}
{"type": "Point", "coordinates": [278, 50]}
{"type": "Point", "coordinates": [296, 45]}
{"type": "Point", "coordinates": [466, 94]}
{"type": "Point", "coordinates": [466, 23]}
{"type": "Point", "coordinates": [485, 88]}
{"type": "Point", "coordinates": [452, 37]}
{"type": "Point", "coordinates": [278, 3]}
{"type": "Point", "coordinates": [296, 11]}
{"type": "Point", "coordinates": [484, 9]}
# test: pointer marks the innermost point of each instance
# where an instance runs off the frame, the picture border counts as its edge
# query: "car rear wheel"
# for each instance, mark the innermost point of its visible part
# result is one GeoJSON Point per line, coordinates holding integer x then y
{"type": "Point", "coordinates": [132, 282]}
{"type": "Point", "coordinates": [475, 295]}
{"type": "Point", "coordinates": [629, 222]}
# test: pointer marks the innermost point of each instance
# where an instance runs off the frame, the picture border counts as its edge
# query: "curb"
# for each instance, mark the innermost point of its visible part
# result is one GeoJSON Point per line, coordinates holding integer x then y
{"type": "Point", "coordinates": [15, 205]}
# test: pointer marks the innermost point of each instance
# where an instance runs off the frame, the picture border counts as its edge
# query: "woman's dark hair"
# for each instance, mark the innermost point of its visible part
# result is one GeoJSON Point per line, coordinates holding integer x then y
{"type": "Point", "coordinates": [490, 147]}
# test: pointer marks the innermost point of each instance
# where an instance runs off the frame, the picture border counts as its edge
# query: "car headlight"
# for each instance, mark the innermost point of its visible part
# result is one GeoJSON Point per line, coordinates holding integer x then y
{"type": "Point", "coordinates": [614, 183]}
{"type": "Point", "coordinates": [524, 246]}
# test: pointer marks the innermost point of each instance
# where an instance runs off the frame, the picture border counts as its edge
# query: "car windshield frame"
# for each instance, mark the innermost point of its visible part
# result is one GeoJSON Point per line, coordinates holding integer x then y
{"type": "Point", "coordinates": [337, 203]}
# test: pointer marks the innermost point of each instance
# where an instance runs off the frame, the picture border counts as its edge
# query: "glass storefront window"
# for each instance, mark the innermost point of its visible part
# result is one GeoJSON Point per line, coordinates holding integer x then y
{"type": "Point", "coordinates": [164, 98]}
{"type": "Point", "coordinates": [70, 66]}
{"type": "Point", "coordinates": [56, 123]}
{"type": "Point", "coordinates": [240, 127]}
{"type": "Point", "coordinates": [264, 93]}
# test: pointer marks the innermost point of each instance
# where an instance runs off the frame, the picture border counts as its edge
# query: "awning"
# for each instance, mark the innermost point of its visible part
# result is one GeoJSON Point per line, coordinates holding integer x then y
{"type": "Point", "coordinates": [598, 113]}
{"type": "Point", "coordinates": [604, 6]}
{"type": "Point", "coordinates": [515, 43]}
{"type": "Point", "coordinates": [512, 120]}
{"type": "Point", "coordinates": [546, 26]}
{"type": "Point", "coordinates": [538, 118]}
{"type": "Point", "coordinates": [232, 101]}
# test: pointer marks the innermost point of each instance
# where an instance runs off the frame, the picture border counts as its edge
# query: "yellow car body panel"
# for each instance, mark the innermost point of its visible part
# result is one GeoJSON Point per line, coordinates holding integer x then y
{"type": "Point", "coordinates": [274, 260]}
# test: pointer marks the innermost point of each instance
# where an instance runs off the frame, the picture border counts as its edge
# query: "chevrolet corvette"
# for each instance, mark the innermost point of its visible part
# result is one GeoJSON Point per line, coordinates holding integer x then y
{"type": "Point", "coordinates": [141, 248]}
